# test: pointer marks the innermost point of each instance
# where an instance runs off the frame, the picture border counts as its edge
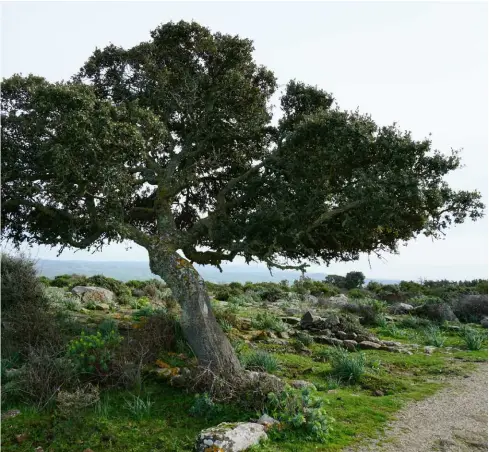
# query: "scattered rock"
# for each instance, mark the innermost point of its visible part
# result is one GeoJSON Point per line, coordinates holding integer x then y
{"type": "Point", "coordinates": [350, 345]}
{"type": "Point", "coordinates": [341, 335]}
{"type": "Point", "coordinates": [309, 319]}
{"type": "Point", "coordinates": [10, 414]}
{"type": "Point", "coordinates": [400, 308]}
{"type": "Point", "coordinates": [338, 300]}
{"type": "Point", "coordinates": [267, 420]}
{"type": "Point", "coordinates": [369, 345]}
{"type": "Point", "coordinates": [328, 340]}
{"type": "Point", "coordinates": [311, 299]}
{"type": "Point", "coordinates": [429, 349]}
{"type": "Point", "coordinates": [302, 384]}
{"type": "Point", "coordinates": [231, 437]}
{"type": "Point", "coordinates": [291, 320]}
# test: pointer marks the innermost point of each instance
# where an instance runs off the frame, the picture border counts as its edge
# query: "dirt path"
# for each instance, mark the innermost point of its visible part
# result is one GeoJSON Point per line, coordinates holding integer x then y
{"type": "Point", "coordinates": [453, 420]}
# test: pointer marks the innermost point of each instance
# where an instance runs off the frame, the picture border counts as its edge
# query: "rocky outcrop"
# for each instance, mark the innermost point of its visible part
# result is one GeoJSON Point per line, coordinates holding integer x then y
{"type": "Point", "coordinates": [230, 437]}
{"type": "Point", "coordinates": [87, 293]}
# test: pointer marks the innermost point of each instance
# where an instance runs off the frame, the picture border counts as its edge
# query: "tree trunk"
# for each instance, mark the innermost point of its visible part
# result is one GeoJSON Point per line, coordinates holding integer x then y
{"type": "Point", "coordinates": [199, 325]}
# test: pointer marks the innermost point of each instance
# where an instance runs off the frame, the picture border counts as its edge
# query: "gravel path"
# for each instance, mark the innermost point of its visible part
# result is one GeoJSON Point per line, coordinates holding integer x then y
{"type": "Point", "coordinates": [453, 420]}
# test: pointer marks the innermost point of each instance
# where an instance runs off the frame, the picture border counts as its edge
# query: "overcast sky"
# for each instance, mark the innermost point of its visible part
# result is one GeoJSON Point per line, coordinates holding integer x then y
{"type": "Point", "coordinates": [423, 65]}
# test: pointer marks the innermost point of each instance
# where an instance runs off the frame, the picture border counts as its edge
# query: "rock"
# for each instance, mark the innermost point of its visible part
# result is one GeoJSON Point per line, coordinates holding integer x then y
{"type": "Point", "coordinates": [163, 373]}
{"type": "Point", "coordinates": [484, 322]}
{"type": "Point", "coordinates": [267, 420]}
{"type": "Point", "coordinates": [230, 437]}
{"type": "Point", "coordinates": [400, 308]}
{"type": "Point", "coordinates": [328, 340]}
{"type": "Point", "coordinates": [306, 351]}
{"type": "Point", "coordinates": [391, 343]}
{"type": "Point", "coordinates": [105, 295]}
{"type": "Point", "coordinates": [245, 324]}
{"type": "Point", "coordinates": [388, 348]}
{"type": "Point", "coordinates": [283, 335]}
{"type": "Point", "coordinates": [309, 319]}
{"type": "Point", "coordinates": [369, 345]}
{"type": "Point", "coordinates": [378, 393]}
{"type": "Point", "coordinates": [429, 349]}
{"type": "Point", "coordinates": [311, 299]}
{"type": "Point", "coordinates": [272, 335]}
{"type": "Point", "coordinates": [352, 336]}
{"type": "Point", "coordinates": [10, 414]}
{"type": "Point", "coordinates": [437, 312]}
{"type": "Point", "coordinates": [291, 320]}
{"type": "Point", "coordinates": [350, 345]}
{"type": "Point", "coordinates": [21, 437]}
{"type": "Point", "coordinates": [38, 449]}
{"type": "Point", "coordinates": [406, 352]}
{"type": "Point", "coordinates": [302, 384]}
{"type": "Point", "coordinates": [340, 299]}
{"type": "Point", "coordinates": [341, 335]}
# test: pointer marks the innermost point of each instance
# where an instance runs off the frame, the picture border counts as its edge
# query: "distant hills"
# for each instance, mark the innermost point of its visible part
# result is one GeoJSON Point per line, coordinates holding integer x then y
{"type": "Point", "coordinates": [126, 270]}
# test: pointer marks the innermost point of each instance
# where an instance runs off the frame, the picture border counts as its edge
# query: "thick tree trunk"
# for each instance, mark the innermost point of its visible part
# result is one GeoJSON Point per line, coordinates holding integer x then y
{"type": "Point", "coordinates": [200, 327]}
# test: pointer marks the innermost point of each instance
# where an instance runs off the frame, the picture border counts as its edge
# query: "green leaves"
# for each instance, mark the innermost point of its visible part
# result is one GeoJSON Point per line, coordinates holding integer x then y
{"type": "Point", "coordinates": [170, 143]}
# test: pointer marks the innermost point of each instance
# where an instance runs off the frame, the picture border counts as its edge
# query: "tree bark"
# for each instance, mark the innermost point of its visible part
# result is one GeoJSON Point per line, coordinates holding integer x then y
{"type": "Point", "coordinates": [204, 335]}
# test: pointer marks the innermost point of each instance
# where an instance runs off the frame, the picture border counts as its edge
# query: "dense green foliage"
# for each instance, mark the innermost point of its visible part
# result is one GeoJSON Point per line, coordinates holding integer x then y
{"type": "Point", "coordinates": [173, 138]}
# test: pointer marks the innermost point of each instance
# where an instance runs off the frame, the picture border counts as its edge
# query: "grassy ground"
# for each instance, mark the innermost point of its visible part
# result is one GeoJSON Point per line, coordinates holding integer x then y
{"type": "Point", "coordinates": [163, 422]}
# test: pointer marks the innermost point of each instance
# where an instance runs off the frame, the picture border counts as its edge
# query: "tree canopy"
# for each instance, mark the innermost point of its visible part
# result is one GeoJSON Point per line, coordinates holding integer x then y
{"type": "Point", "coordinates": [172, 142]}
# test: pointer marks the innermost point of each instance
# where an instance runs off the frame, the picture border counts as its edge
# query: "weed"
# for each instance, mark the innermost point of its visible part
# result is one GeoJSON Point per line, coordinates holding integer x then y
{"type": "Point", "coordinates": [267, 321]}
{"type": "Point", "coordinates": [348, 367]}
{"type": "Point", "coordinates": [204, 406]}
{"type": "Point", "coordinates": [138, 407]}
{"type": "Point", "coordinates": [259, 360]}
{"type": "Point", "coordinates": [304, 338]}
{"type": "Point", "coordinates": [473, 339]}
{"type": "Point", "coordinates": [433, 336]}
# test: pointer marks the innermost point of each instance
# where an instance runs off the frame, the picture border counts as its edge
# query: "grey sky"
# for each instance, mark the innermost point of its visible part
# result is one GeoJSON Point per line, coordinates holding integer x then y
{"type": "Point", "coordinates": [423, 65]}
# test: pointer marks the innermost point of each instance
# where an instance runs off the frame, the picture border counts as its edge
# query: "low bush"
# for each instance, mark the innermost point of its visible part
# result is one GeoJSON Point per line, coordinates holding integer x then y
{"type": "Point", "coordinates": [414, 322]}
{"type": "Point", "coordinates": [93, 354]}
{"type": "Point", "coordinates": [370, 311]}
{"type": "Point", "coordinates": [348, 367]}
{"type": "Point", "coordinates": [470, 308]}
{"type": "Point", "coordinates": [300, 411]}
{"type": "Point", "coordinates": [259, 361]}
{"type": "Point", "coordinates": [204, 406]}
{"type": "Point", "coordinates": [304, 338]}
{"type": "Point", "coordinates": [433, 336]}
{"type": "Point", "coordinates": [267, 321]}
{"type": "Point", "coordinates": [435, 310]}
{"type": "Point", "coordinates": [473, 339]}
{"type": "Point", "coordinates": [69, 403]}
{"type": "Point", "coordinates": [358, 293]}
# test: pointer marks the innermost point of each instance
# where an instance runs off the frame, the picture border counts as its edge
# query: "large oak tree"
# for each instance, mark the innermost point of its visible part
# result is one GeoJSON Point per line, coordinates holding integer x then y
{"type": "Point", "coordinates": [171, 144]}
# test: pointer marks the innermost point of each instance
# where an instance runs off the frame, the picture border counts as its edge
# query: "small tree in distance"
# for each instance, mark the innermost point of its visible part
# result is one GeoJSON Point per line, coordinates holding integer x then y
{"type": "Point", "coordinates": [170, 144]}
{"type": "Point", "coordinates": [354, 280]}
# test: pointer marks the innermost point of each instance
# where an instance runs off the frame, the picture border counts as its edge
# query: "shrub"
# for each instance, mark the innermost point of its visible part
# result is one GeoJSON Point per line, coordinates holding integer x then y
{"type": "Point", "coordinates": [433, 336]}
{"type": "Point", "coordinates": [436, 311]}
{"type": "Point", "coordinates": [470, 308]}
{"type": "Point", "coordinates": [125, 299]}
{"type": "Point", "coordinates": [133, 283]}
{"type": "Point", "coordinates": [40, 377]}
{"type": "Point", "coordinates": [70, 403]}
{"type": "Point", "coordinates": [414, 322]}
{"type": "Point", "coordinates": [107, 326]}
{"type": "Point", "coordinates": [300, 411]}
{"type": "Point", "coordinates": [348, 367]}
{"type": "Point", "coordinates": [370, 311]}
{"type": "Point", "coordinates": [304, 338]}
{"type": "Point", "coordinates": [473, 339]}
{"type": "Point", "coordinates": [93, 354]}
{"type": "Point", "coordinates": [267, 321]}
{"type": "Point", "coordinates": [118, 287]}
{"type": "Point", "coordinates": [357, 293]}
{"type": "Point", "coordinates": [336, 280]}
{"type": "Point", "coordinates": [259, 361]}
{"type": "Point", "coordinates": [138, 407]}
{"type": "Point", "coordinates": [204, 406]}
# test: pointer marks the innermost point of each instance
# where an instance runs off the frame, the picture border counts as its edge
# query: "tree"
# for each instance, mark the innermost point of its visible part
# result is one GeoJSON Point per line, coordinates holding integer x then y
{"type": "Point", "coordinates": [171, 144]}
{"type": "Point", "coordinates": [336, 280]}
{"type": "Point", "coordinates": [354, 280]}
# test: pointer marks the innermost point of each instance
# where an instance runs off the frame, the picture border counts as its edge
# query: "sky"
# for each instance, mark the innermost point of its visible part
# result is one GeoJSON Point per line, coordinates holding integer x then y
{"type": "Point", "coordinates": [422, 65]}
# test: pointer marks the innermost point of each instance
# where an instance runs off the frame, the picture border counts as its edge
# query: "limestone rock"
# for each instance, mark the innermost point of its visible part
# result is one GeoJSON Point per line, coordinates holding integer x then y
{"type": "Point", "coordinates": [267, 420]}
{"type": "Point", "coordinates": [328, 340]}
{"type": "Point", "coordinates": [338, 300]}
{"type": "Point", "coordinates": [341, 335]}
{"type": "Point", "coordinates": [369, 345]}
{"type": "Point", "coordinates": [400, 308]}
{"type": "Point", "coordinates": [104, 295]}
{"type": "Point", "coordinates": [350, 345]}
{"type": "Point", "coordinates": [302, 384]}
{"type": "Point", "coordinates": [231, 437]}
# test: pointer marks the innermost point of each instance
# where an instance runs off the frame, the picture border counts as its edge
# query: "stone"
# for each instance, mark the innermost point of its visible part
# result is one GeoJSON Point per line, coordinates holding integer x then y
{"type": "Point", "coordinates": [429, 349]}
{"type": "Point", "coordinates": [302, 384]}
{"type": "Point", "coordinates": [350, 345]}
{"type": "Point", "coordinates": [308, 318]}
{"type": "Point", "coordinates": [21, 437]}
{"type": "Point", "coordinates": [400, 308]}
{"type": "Point", "coordinates": [341, 335]}
{"type": "Point", "coordinates": [291, 320]}
{"type": "Point", "coordinates": [10, 414]}
{"type": "Point", "coordinates": [369, 345]}
{"type": "Point", "coordinates": [245, 324]}
{"type": "Point", "coordinates": [267, 420]}
{"type": "Point", "coordinates": [391, 343]}
{"type": "Point", "coordinates": [283, 335]}
{"type": "Point", "coordinates": [339, 300]}
{"type": "Point", "coordinates": [231, 437]}
{"type": "Point", "coordinates": [104, 294]}
{"type": "Point", "coordinates": [484, 322]}
{"type": "Point", "coordinates": [328, 340]}
{"type": "Point", "coordinates": [378, 393]}
{"type": "Point", "coordinates": [352, 336]}
{"type": "Point", "coordinates": [311, 299]}
{"type": "Point", "coordinates": [388, 348]}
